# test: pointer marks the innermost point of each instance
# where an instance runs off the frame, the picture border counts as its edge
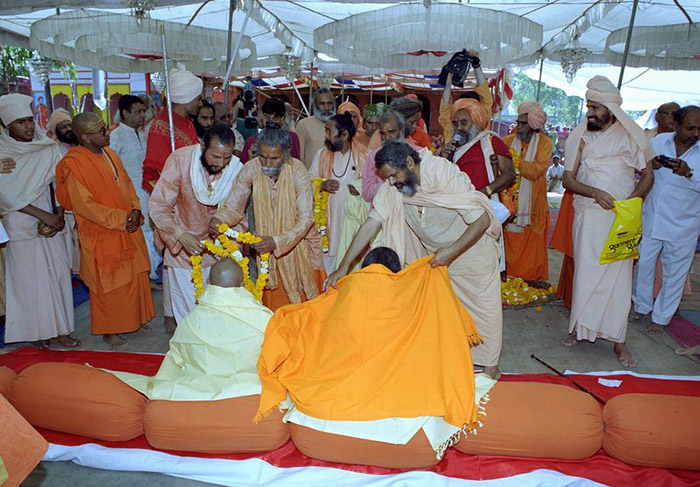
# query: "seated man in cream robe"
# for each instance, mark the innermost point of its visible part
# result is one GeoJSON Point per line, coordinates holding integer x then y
{"type": "Point", "coordinates": [214, 351]}
{"type": "Point", "coordinates": [195, 182]}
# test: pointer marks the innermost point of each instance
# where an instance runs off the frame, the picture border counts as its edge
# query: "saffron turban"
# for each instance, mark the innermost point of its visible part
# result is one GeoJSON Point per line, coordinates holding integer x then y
{"type": "Point", "coordinates": [59, 115]}
{"type": "Point", "coordinates": [15, 106]}
{"type": "Point", "coordinates": [601, 90]}
{"type": "Point", "coordinates": [536, 117]}
{"type": "Point", "coordinates": [476, 111]}
{"type": "Point", "coordinates": [374, 110]}
{"type": "Point", "coordinates": [349, 106]}
{"type": "Point", "coordinates": [184, 86]}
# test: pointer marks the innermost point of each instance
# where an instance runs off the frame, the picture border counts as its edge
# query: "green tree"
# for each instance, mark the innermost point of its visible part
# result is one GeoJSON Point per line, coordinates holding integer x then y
{"type": "Point", "coordinates": [13, 64]}
{"type": "Point", "coordinates": [561, 109]}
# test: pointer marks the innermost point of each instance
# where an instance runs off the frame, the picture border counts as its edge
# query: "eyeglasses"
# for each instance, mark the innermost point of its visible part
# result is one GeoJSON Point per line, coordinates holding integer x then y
{"type": "Point", "coordinates": [668, 114]}
{"type": "Point", "coordinates": [102, 131]}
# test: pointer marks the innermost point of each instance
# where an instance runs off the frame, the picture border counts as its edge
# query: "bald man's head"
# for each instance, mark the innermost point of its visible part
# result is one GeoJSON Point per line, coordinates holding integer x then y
{"type": "Point", "coordinates": [91, 130]}
{"type": "Point", "coordinates": [664, 117]}
{"type": "Point", "coordinates": [226, 273]}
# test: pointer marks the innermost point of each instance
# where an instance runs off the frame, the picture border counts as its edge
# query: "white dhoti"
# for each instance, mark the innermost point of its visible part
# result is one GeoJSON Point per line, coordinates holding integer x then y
{"type": "Point", "coordinates": [181, 295]}
{"type": "Point", "coordinates": [676, 260]}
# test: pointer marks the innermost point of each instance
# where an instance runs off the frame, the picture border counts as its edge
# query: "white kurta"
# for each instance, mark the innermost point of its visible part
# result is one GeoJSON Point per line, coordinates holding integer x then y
{"type": "Point", "coordinates": [345, 172]}
{"type": "Point", "coordinates": [130, 146]}
{"type": "Point", "coordinates": [670, 229]}
{"type": "Point", "coordinates": [39, 291]}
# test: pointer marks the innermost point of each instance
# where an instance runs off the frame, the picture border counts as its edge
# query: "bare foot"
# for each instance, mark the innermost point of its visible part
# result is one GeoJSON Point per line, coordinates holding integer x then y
{"type": "Point", "coordinates": [689, 350]}
{"type": "Point", "coordinates": [145, 328]}
{"type": "Point", "coordinates": [42, 344]}
{"type": "Point", "coordinates": [115, 341]}
{"type": "Point", "coordinates": [492, 371]}
{"type": "Point", "coordinates": [169, 324]}
{"type": "Point", "coordinates": [635, 316]}
{"type": "Point", "coordinates": [654, 329]}
{"type": "Point", "coordinates": [67, 341]}
{"type": "Point", "coordinates": [570, 341]}
{"type": "Point", "coordinates": [624, 355]}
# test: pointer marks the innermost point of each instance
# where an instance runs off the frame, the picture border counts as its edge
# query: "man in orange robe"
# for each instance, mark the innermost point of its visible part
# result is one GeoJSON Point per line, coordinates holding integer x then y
{"type": "Point", "coordinates": [91, 181]}
{"type": "Point", "coordinates": [526, 236]}
{"type": "Point", "coordinates": [563, 241]}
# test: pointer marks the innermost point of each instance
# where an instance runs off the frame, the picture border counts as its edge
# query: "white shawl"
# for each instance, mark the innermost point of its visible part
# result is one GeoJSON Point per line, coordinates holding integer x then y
{"type": "Point", "coordinates": [220, 188]}
{"type": "Point", "coordinates": [525, 191]}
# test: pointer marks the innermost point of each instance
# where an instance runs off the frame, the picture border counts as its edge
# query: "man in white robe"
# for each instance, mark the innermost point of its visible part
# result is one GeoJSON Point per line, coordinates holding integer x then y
{"type": "Point", "coordinates": [670, 221]}
{"type": "Point", "coordinates": [340, 165]}
{"type": "Point", "coordinates": [602, 157]}
{"type": "Point", "coordinates": [38, 255]}
{"type": "Point", "coordinates": [195, 181]}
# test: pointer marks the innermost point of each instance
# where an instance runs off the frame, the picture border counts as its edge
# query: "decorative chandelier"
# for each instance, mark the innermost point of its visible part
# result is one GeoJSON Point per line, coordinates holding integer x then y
{"type": "Point", "coordinates": [572, 59]}
{"type": "Point", "coordinates": [325, 80]}
{"type": "Point", "coordinates": [290, 65]}
{"type": "Point", "coordinates": [40, 67]}
{"type": "Point", "coordinates": [141, 8]}
{"type": "Point", "coordinates": [158, 82]}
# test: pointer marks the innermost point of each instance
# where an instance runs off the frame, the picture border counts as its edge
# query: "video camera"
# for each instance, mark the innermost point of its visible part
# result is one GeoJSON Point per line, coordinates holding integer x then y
{"type": "Point", "coordinates": [459, 66]}
{"type": "Point", "coordinates": [250, 120]}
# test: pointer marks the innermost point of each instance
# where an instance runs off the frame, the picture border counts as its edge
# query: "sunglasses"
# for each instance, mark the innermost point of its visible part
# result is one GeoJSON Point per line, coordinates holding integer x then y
{"type": "Point", "coordinates": [103, 131]}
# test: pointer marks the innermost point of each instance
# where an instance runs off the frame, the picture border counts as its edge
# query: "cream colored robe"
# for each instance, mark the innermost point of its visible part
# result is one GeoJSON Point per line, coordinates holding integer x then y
{"type": "Point", "coordinates": [602, 293]}
{"type": "Point", "coordinates": [436, 216]}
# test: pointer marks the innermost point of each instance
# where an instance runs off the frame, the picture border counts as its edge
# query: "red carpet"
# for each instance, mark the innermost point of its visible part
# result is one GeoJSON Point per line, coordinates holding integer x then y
{"type": "Point", "coordinates": [600, 468]}
{"type": "Point", "coordinates": [685, 332]}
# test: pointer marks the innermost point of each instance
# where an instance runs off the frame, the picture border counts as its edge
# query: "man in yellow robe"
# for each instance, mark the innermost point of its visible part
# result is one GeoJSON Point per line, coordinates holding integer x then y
{"type": "Point", "coordinates": [526, 236]}
{"type": "Point", "coordinates": [214, 350]}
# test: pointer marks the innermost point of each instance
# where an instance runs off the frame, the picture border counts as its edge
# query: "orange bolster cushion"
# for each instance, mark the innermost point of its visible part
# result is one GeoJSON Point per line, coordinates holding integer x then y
{"type": "Point", "coordinates": [653, 430]}
{"type": "Point", "coordinates": [21, 447]}
{"type": "Point", "coordinates": [79, 400]}
{"type": "Point", "coordinates": [224, 426]}
{"type": "Point", "coordinates": [328, 447]}
{"type": "Point", "coordinates": [528, 419]}
{"type": "Point", "coordinates": [7, 379]}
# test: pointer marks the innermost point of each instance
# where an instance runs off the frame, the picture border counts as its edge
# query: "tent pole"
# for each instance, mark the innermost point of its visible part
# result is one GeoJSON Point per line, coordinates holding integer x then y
{"type": "Point", "coordinates": [229, 38]}
{"type": "Point", "coordinates": [296, 90]}
{"type": "Point", "coordinates": [237, 48]}
{"type": "Point", "coordinates": [539, 81]}
{"type": "Point", "coordinates": [311, 83]}
{"type": "Point", "coordinates": [167, 89]}
{"type": "Point", "coordinates": [627, 43]}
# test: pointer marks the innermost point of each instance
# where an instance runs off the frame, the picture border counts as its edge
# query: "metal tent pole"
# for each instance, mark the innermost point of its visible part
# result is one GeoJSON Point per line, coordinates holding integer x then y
{"type": "Point", "coordinates": [627, 43]}
{"type": "Point", "coordinates": [539, 81]}
{"type": "Point", "coordinates": [167, 89]}
{"type": "Point", "coordinates": [229, 38]}
{"type": "Point", "coordinates": [237, 48]}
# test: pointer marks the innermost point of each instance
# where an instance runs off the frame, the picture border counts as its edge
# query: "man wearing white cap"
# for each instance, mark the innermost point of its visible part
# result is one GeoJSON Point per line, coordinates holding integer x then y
{"type": "Point", "coordinates": [602, 157]}
{"type": "Point", "coordinates": [526, 235]}
{"type": "Point", "coordinates": [186, 94]}
{"type": "Point", "coordinates": [38, 255]}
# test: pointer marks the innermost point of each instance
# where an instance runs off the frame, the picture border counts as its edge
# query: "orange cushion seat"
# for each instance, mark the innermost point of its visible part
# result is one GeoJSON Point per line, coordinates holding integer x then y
{"type": "Point", "coordinates": [7, 379]}
{"type": "Point", "coordinates": [653, 430]}
{"type": "Point", "coordinates": [79, 400]}
{"type": "Point", "coordinates": [528, 419]}
{"type": "Point", "coordinates": [329, 447]}
{"type": "Point", "coordinates": [224, 426]}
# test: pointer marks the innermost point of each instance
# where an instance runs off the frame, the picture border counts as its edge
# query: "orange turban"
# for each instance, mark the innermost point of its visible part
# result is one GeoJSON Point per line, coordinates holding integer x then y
{"type": "Point", "coordinates": [476, 111]}
{"type": "Point", "coordinates": [536, 117]}
{"type": "Point", "coordinates": [349, 106]}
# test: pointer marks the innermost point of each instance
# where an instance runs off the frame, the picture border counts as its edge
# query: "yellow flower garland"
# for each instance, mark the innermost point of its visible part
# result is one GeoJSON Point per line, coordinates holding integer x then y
{"type": "Point", "coordinates": [515, 291]}
{"type": "Point", "coordinates": [224, 247]}
{"type": "Point", "coordinates": [516, 186]}
{"type": "Point", "coordinates": [321, 212]}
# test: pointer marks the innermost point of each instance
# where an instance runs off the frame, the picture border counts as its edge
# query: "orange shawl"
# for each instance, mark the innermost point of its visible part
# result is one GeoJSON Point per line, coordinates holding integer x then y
{"type": "Point", "coordinates": [360, 352]}
{"type": "Point", "coordinates": [359, 155]}
{"type": "Point", "coordinates": [113, 248]}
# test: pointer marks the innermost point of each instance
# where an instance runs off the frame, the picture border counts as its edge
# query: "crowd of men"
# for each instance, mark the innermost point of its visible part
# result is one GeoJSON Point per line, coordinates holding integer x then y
{"type": "Point", "coordinates": [115, 205]}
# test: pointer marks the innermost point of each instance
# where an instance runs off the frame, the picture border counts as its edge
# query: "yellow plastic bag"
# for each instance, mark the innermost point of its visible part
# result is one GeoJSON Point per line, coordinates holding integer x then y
{"type": "Point", "coordinates": [623, 240]}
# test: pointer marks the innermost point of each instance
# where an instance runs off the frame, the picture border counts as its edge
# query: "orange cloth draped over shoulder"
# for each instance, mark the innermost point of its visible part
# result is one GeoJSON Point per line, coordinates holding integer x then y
{"type": "Point", "coordinates": [361, 351]}
{"type": "Point", "coordinates": [563, 241]}
{"type": "Point", "coordinates": [114, 263]}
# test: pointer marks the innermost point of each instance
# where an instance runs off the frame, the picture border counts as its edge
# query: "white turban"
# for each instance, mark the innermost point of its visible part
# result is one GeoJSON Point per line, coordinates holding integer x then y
{"type": "Point", "coordinates": [184, 86]}
{"type": "Point", "coordinates": [601, 90]}
{"type": "Point", "coordinates": [15, 106]}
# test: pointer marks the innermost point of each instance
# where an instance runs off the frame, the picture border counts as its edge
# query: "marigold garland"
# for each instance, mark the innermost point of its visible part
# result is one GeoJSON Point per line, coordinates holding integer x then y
{"type": "Point", "coordinates": [321, 212]}
{"type": "Point", "coordinates": [515, 291]}
{"type": "Point", "coordinates": [223, 247]}
{"type": "Point", "coordinates": [516, 186]}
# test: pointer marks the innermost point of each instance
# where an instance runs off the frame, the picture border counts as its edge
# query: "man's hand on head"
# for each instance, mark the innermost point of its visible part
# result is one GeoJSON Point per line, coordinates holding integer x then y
{"type": "Point", "coordinates": [330, 186]}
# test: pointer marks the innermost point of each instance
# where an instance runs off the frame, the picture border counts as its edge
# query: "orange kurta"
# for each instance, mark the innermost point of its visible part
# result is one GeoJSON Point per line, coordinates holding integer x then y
{"type": "Point", "coordinates": [563, 241]}
{"type": "Point", "coordinates": [114, 263]}
{"type": "Point", "coordinates": [526, 252]}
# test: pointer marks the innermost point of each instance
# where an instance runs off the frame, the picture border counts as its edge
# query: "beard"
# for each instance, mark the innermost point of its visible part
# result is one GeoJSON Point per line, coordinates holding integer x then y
{"type": "Point", "coordinates": [207, 167]}
{"type": "Point", "coordinates": [67, 137]}
{"type": "Point", "coordinates": [408, 187]}
{"type": "Point", "coordinates": [333, 146]}
{"type": "Point", "coordinates": [201, 130]}
{"type": "Point", "coordinates": [270, 172]}
{"type": "Point", "coordinates": [324, 115]}
{"type": "Point", "coordinates": [595, 124]}
{"type": "Point", "coordinates": [465, 136]}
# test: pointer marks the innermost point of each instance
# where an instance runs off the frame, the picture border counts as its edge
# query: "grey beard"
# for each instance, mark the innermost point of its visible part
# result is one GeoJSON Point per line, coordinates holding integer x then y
{"type": "Point", "coordinates": [270, 172]}
{"type": "Point", "coordinates": [468, 135]}
{"type": "Point", "coordinates": [324, 115]}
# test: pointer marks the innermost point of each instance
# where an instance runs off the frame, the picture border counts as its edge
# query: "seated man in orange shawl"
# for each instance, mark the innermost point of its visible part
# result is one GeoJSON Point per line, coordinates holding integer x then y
{"type": "Point", "coordinates": [351, 360]}
{"type": "Point", "coordinates": [283, 212]}
{"type": "Point", "coordinates": [91, 181]}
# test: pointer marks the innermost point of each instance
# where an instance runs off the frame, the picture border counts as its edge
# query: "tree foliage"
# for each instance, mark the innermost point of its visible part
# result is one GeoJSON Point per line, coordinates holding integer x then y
{"type": "Point", "coordinates": [561, 109]}
{"type": "Point", "coordinates": [13, 64]}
